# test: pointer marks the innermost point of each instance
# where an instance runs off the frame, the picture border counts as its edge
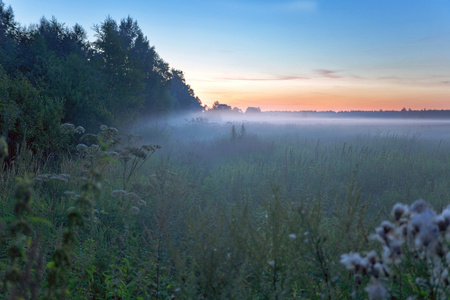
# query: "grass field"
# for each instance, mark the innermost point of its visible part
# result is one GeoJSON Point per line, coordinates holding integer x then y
{"type": "Point", "coordinates": [225, 209]}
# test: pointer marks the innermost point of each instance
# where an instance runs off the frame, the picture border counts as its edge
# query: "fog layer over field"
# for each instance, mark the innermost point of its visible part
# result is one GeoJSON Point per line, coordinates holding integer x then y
{"type": "Point", "coordinates": [207, 126]}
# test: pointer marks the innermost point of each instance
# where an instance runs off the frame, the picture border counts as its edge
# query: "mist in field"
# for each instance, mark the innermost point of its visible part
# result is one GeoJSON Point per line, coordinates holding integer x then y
{"type": "Point", "coordinates": [209, 126]}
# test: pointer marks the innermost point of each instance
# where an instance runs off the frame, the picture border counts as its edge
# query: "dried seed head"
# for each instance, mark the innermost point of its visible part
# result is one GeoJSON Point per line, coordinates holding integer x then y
{"type": "Point", "coordinates": [376, 291]}
{"type": "Point", "coordinates": [372, 257]}
{"type": "Point", "coordinates": [399, 211]}
{"type": "Point", "coordinates": [118, 193]}
{"type": "Point", "coordinates": [67, 128]}
{"type": "Point", "coordinates": [80, 130]}
{"type": "Point", "coordinates": [89, 139]}
{"type": "Point", "coordinates": [441, 222]}
{"type": "Point", "coordinates": [420, 206]}
{"type": "Point", "coordinates": [132, 197]}
{"type": "Point", "coordinates": [351, 261]}
{"type": "Point", "coordinates": [82, 148]}
{"type": "Point", "coordinates": [134, 210]}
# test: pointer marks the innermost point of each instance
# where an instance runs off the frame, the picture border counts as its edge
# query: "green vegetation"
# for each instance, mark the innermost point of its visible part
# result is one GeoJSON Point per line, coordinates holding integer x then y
{"type": "Point", "coordinates": [263, 211]}
{"type": "Point", "coordinates": [200, 210]}
{"type": "Point", "coordinates": [51, 74]}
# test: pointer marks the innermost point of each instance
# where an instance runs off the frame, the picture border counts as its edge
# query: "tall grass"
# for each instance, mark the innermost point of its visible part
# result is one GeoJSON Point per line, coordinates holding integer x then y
{"type": "Point", "coordinates": [244, 215]}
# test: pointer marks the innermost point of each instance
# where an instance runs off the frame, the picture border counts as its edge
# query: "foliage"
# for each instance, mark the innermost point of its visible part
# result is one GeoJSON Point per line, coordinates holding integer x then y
{"type": "Point", "coordinates": [240, 216]}
{"type": "Point", "coordinates": [50, 73]}
{"type": "Point", "coordinates": [414, 257]}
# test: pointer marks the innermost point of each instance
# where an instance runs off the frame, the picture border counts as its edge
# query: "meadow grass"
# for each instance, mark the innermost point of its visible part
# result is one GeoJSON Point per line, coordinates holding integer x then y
{"type": "Point", "coordinates": [264, 212]}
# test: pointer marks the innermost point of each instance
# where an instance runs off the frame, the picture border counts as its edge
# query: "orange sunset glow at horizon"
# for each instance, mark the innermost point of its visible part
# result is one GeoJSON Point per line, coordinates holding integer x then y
{"type": "Point", "coordinates": [318, 94]}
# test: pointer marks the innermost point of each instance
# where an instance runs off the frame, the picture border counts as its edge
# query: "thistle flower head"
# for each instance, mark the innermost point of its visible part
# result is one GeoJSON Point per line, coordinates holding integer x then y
{"type": "Point", "coordinates": [423, 227]}
{"type": "Point", "coordinates": [399, 211]}
{"type": "Point", "coordinates": [420, 206]}
{"type": "Point", "coordinates": [376, 291]}
{"type": "Point", "coordinates": [353, 261]}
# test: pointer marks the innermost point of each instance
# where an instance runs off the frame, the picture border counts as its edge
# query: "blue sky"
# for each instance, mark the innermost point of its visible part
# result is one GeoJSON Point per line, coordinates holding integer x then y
{"type": "Point", "coordinates": [288, 54]}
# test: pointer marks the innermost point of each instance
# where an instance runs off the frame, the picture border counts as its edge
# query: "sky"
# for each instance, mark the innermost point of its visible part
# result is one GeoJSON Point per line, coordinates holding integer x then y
{"type": "Point", "coordinates": [287, 54]}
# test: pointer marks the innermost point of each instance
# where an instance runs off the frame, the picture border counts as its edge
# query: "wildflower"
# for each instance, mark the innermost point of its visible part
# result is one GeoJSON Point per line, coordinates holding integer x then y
{"type": "Point", "coordinates": [134, 210]}
{"type": "Point", "coordinates": [293, 236]}
{"type": "Point", "coordinates": [446, 216]}
{"type": "Point", "coordinates": [392, 252]}
{"type": "Point", "coordinates": [399, 211]}
{"type": "Point", "coordinates": [93, 149]}
{"type": "Point", "coordinates": [113, 131]}
{"type": "Point", "coordinates": [138, 153]}
{"type": "Point", "coordinates": [89, 139]}
{"type": "Point", "coordinates": [67, 128]}
{"type": "Point", "coordinates": [118, 193]}
{"type": "Point", "coordinates": [377, 270]}
{"type": "Point", "coordinates": [384, 232]}
{"type": "Point", "coordinates": [353, 261]}
{"type": "Point", "coordinates": [82, 148]}
{"type": "Point", "coordinates": [420, 206]}
{"type": "Point", "coordinates": [148, 148]}
{"type": "Point", "coordinates": [58, 177]}
{"type": "Point", "coordinates": [142, 202]}
{"type": "Point", "coordinates": [80, 130]}
{"type": "Point", "coordinates": [372, 257]}
{"type": "Point", "coordinates": [272, 263]}
{"type": "Point", "coordinates": [132, 196]}
{"type": "Point", "coordinates": [112, 154]}
{"type": "Point", "coordinates": [375, 290]}
{"type": "Point", "coordinates": [422, 225]}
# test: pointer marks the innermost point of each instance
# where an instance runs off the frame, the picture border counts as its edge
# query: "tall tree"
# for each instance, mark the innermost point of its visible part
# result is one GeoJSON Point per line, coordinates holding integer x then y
{"type": "Point", "coordinates": [8, 32]}
{"type": "Point", "coordinates": [183, 93]}
{"type": "Point", "coordinates": [123, 78]}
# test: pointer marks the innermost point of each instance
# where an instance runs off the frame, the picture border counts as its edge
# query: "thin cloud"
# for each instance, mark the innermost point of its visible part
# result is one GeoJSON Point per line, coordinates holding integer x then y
{"type": "Point", "coordinates": [415, 81]}
{"type": "Point", "coordinates": [430, 38]}
{"type": "Point", "coordinates": [275, 78]}
{"type": "Point", "coordinates": [327, 73]}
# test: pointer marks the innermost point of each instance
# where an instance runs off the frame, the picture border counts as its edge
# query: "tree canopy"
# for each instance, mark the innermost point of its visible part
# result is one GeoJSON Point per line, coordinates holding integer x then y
{"type": "Point", "coordinates": [50, 74]}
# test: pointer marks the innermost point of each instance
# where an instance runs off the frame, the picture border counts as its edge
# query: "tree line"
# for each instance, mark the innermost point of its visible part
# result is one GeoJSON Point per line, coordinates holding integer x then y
{"type": "Point", "coordinates": [51, 74]}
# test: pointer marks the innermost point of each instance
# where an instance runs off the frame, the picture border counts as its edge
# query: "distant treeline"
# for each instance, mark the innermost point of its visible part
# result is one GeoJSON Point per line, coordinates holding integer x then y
{"type": "Point", "coordinates": [394, 114]}
{"type": "Point", "coordinates": [50, 73]}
